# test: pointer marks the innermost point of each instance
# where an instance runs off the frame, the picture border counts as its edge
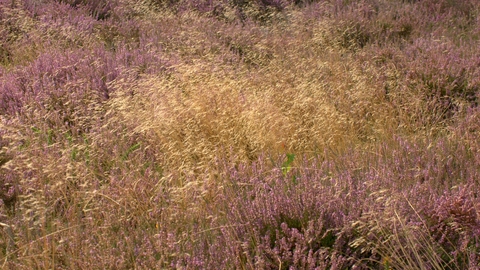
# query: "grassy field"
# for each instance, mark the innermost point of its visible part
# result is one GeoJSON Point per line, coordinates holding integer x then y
{"type": "Point", "coordinates": [239, 134]}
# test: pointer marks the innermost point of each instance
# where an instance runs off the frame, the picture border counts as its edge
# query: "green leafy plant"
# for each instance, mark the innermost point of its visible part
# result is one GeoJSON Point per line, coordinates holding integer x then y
{"type": "Point", "coordinates": [287, 165]}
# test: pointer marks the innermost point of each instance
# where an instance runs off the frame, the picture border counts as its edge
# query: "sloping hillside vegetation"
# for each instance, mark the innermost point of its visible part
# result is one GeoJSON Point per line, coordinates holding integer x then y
{"type": "Point", "coordinates": [239, 134]}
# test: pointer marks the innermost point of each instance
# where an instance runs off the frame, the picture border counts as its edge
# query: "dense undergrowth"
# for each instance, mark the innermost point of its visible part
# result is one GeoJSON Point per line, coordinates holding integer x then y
{"type": "Point", "coordinates": [272, 134]}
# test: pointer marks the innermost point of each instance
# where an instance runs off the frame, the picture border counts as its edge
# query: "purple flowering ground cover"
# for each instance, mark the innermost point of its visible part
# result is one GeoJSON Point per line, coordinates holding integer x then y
{"type": "Point", "coordinates": [228, 134]}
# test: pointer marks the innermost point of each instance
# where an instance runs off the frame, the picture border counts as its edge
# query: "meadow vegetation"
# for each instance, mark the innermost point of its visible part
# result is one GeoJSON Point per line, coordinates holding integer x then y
{"type": "Point", "coordinates": [239, 134]}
